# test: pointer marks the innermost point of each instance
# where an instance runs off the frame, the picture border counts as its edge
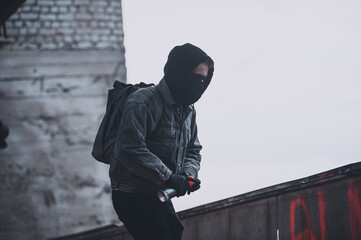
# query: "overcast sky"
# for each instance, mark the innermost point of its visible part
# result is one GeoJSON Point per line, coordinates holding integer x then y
{"type": "Point", "coordinates": [285, 99]}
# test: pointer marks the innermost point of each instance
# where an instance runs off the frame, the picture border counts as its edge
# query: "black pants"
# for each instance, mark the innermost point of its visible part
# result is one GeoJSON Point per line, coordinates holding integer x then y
{"type": "Point", "coordinates": [147, 218]}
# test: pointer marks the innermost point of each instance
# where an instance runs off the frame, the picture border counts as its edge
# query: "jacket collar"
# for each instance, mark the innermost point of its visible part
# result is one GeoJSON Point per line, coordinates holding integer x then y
{"type": "Point", "coordinates": [165, 92]}
{"type": "Point", "coordinates": [168, 97]}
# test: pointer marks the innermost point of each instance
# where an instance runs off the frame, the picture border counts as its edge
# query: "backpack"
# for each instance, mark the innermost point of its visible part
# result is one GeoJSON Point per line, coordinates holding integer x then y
{"type": "Point", "coordinates": [107, 132]}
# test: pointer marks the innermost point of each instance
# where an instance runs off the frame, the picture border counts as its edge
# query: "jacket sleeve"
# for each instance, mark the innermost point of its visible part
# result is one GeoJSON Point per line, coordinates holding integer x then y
{"type": "Point", "coordinates": [193, 157]}
{"type": "Point", "coordinates": [130, 148]}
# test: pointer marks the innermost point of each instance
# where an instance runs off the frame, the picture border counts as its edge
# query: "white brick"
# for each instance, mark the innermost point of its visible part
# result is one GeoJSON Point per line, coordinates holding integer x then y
{"type": "Point", "coordinates": [47, 31]}
{"type": "Point", "coordinates": [68, 17]}
{"type": "Point", "coordinates": [68, 39]}
{"type": "Point", "coordinates": [113, 38]}
{"type": "Point", "coordinates": [29, 16]}
{"type": "Point", "coordinates": [104, 38]}
{"type": "Point", "coordinates": [16, 16]}
{"type": "Point", "coordinates": [115, 3]}
{"type": "Point", "coordinates": [94, 38]}
{"type": "Point", "coordinates": [30, 2]}
{"type": "Point", "coordinates": [33, 31]}
{"type": "Point", "coordinates": [59, 38]}
{"type": "Point", "coordinates": [63, 2]}
{"type": "Point", "coordinates": [103, 31]}
{"type": "Point", "coordinates": [29, 24]}
{"type": "Point", "coordinates": [54, 9]}
{"type": "Point", "coordinates": [45, 2]}
{"type": "Point", "coordinates": [37, 24]}
{"type": "Point", "coordinates": [44, 9]}
{"type": "Point", "coordinates": [101, 17]}
{"type": "Point", "coordinates": [82, 10]}
{"type": "Point", "coordinates": [111, 24]}
{"type": "Point", "coordinates": [102, 24]}
{"type": "Point", "coordinates": [30, 46]}
{"type": "Point", "coordinates": [65, 31]}
{"type": "Point", "coordinates": [26, 9]}
{"type": "Point", "coordinates": [23, 31]}
{"type": "Point", "coordinates": [83, 16]}
{"type": "Point", "coordinates": [118, 31]}
{"type": "Point", "coordinates": [78, 38]}
{"type": "Point", "coordinates": [63, 9]}
{"type": "Point", "coordinates": [35, 8]}
{"type": "Point", "coordinates": [18, 24]}
{"type": "Point", "coordinates": [49, 46]}
{"type": "Point", "coordinates": [50, 17]}
{"type": "Point", "coordinates": [103, 45]}
{"type": "Point", "coordinates": [84, 31]}
{"type": "Point", "coordinates": [84, 45]}
{"type": "Point", "coordinates": [117, 11]}
{"type": "Point", "coordinates": [55, 24]}
{"type": "Point", "coordinates": [65, 24]}
{"type": "Point", "coordinates": [91, 9]}
{"type": "Point", "coordinates": [82, 2]}
{"type": "Point", "coordinates": [82, 24]}
{"type": "Point", "coordinates": [100, 3]}
{"type": "Point", "coordinates": [47, 24]}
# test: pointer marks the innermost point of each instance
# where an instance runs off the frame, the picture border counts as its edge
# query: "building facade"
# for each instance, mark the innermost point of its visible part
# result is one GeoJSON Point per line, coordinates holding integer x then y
{"type": "Point", "coordinates": [57, 63]}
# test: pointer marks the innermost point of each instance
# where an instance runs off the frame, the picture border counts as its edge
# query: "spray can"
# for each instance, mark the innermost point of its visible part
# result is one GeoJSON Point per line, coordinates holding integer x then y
{"type": "Point", "coordinates": [167, 194]}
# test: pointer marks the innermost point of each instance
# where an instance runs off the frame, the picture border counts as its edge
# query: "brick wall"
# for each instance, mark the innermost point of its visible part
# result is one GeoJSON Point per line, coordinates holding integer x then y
{"type": "Point", "coordinates": [66, 24]}
{"type": "Point", "coordinates": [59, 60]}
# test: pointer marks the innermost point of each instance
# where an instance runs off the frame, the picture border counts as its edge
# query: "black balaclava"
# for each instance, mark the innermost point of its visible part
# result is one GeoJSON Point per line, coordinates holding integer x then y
{"type": "Point", "coordinates": [185, 86]}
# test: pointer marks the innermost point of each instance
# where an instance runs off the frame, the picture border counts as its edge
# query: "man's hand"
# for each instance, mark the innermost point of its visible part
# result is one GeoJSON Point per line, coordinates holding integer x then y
{"type": "Point", "coordinates": [179, 183]}
{"type": "Point", "coordinates": [195, 184]}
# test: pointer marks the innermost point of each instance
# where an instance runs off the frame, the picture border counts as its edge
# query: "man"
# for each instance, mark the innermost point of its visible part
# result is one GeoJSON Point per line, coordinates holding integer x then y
{"type": "Point", "coordinates": [157, 146]}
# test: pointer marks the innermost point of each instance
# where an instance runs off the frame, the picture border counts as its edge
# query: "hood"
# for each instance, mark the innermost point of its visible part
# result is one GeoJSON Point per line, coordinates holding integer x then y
{"type": "Point", "coordinates": [181, 62]}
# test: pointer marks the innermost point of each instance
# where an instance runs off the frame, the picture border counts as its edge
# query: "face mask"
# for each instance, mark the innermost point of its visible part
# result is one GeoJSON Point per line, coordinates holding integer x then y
{"type": "Point", "coordinates": [191, 89]}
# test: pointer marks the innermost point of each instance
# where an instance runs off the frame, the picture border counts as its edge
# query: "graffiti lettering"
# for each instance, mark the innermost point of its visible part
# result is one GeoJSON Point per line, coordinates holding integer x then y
{"type": "Point", "coordinates": [321, 206]}
{"type": "Point", "coordinates": [355, 211]}
{"type": "Point", "coordinates": [307, 233]}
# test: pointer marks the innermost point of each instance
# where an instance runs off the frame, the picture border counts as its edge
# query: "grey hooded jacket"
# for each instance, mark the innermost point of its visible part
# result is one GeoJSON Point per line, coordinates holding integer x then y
{"type": "Point", "coordinates": [156, 137]}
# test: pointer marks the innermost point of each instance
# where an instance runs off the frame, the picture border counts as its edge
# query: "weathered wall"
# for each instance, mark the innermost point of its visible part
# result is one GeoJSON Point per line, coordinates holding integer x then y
{"type": "Point", "coordinates": [326, 206]}
{"type": "Point", "coordinates": [66, 24]}
{"type": "Point", "coordinates": [321, 207]}
{"type": "Point", "coordinates": [60, 58]}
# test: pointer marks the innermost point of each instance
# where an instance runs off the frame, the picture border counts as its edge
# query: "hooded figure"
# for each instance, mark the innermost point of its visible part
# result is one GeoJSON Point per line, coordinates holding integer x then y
{"type": "Point", "coordinates": [186, 86]}
{"type": "Point", "coordinates": [157, 147]}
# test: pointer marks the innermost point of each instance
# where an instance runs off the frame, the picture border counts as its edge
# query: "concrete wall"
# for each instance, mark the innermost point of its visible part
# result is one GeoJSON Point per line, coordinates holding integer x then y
{"type": "Point", "coordinates": [56, 66]}
{"type": "Point", "coordinates": [326, 206]}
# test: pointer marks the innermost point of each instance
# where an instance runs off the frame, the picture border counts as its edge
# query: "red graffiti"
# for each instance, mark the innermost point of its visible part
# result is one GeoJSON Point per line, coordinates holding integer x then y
{"type": "Point", "coordinates": [321, 207]}
{"type": "Point", "coordinates": [355, 211]}
{"type": "Point", "coordinates": [307, 233]}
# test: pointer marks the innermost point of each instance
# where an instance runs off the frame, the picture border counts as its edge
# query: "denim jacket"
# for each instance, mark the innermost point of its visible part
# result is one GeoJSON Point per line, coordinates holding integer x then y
{"type": "Point", "coordinates": [156, 137]}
